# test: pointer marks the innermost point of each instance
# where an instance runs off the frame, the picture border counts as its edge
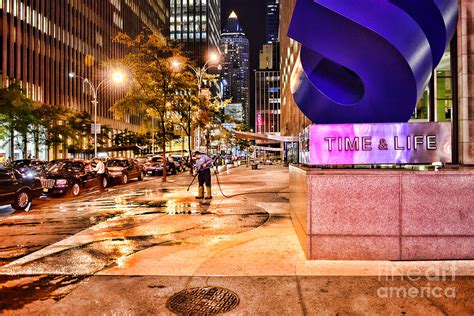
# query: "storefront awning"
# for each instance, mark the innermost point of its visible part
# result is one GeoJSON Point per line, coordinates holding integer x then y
{"type": "Point", "coordinates": [257, 136]}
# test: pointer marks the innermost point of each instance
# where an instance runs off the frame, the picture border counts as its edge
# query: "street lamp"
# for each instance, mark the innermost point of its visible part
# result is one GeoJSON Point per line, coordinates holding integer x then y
{"type": "Point", "coordinates": [211, 62]}
{"type": "Point", "coordinates": [117, 77]}
{"type": "Point", "coordinates": [200, 72]}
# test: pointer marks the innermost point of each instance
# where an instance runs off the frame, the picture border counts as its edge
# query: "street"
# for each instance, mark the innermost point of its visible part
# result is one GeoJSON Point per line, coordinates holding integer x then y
{"type": "Point", "coordinates": [130, 250]}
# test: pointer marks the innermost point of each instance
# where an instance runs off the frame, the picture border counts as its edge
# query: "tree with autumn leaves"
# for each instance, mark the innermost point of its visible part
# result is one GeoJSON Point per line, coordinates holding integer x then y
{"type": "Point", "coordinates": [161, 89]}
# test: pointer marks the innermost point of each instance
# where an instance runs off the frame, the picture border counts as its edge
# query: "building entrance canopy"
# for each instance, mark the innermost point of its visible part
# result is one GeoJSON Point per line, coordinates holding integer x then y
{"type": "Point", "coordinates": [256, 136]}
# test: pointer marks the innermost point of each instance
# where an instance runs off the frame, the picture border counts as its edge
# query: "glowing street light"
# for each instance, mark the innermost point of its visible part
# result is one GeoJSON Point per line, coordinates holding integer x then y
{"type": "Point", "coordinates": [176, 64]}
{"type": "Point", "coordinates": [200, 72]}
{"type": "Point", "coordinates": [212, 61]}
{"type": "Point", "coordinates": [117, 77]}
{"type": "Point", "coordinates": [214, 57]}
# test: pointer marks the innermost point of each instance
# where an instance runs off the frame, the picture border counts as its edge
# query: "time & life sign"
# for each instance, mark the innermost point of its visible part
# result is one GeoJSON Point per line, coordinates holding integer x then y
{"type": "Point", "coordinates": [380, 143]}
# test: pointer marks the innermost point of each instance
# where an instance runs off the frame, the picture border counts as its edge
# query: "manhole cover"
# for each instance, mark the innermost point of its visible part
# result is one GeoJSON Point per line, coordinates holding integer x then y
{"type": "Point", "coordinates": [203, 301]}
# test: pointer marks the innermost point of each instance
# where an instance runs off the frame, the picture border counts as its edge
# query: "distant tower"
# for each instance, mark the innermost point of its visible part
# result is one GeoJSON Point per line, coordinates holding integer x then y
{"type": "Point", "coordinates": [235, 65]}
{"type": "Point", "coordinates": [196, 25]}
{"type": "Point", "coordinates": [267, 77]}
{"type": "Point", "coordinates": [270, 53]}
{"type": "Point", "coordinates": [272, 16]}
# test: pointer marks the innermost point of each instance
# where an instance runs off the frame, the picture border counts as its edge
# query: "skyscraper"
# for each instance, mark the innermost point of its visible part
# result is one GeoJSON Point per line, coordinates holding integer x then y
{"type": "Point", "coordinates": [196, 24]}
{"type": "Point", "coordinates": [267, 102]}
{"type": "Point", "coordinates": [269, 57]}
{"type": "Point", "coordinates": [272, 20]}
{"type": "Point", "coordinates": [267, 77]}
{"type": "Point", "coordinates": [235, 65]}
{"type": "Point", "coordinates": [42, 41]}
{"type": "Point", "coordinates": [292, 119]}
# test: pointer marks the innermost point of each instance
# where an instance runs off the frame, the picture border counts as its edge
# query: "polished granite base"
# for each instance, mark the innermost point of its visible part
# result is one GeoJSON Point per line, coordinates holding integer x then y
{"type": "Point", "coordinates": [368, 214]}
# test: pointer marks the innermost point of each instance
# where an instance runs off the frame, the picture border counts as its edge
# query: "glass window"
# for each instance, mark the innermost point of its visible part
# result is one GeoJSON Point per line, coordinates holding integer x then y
{"type": "Point", "coordinates": [5, 175]}
{"type": "Point", "coordinates": [444, 95]}
{"type": "Point", "coordinates": [117, 163]}
{"type": "Point", "coordinates": [421, 110]}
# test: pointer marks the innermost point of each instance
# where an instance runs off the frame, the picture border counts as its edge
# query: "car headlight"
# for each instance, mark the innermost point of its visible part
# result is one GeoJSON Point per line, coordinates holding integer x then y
{"type": "Point", "coordinates": [61, 182]}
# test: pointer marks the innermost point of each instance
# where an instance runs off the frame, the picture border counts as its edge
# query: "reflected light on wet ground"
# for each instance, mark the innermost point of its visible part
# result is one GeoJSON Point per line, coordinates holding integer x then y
{"type": "Point", "coordinates": [6, 210]}
{"type": "Point", "coordinates": [123, 247]}
{"type": "Point", "coordinates": [173, 207]}
{"type": "Point", "coordinates": [120, 223]}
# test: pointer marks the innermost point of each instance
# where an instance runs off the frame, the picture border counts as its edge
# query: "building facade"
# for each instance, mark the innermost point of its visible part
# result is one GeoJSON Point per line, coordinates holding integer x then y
{"type": "Point", "coordinates": [267, 77]}
{"type": "Point", "coordinates": [293, 120]}
{"type": "Point", "coordinates": [447, 97]}
{"type": "Point", "coordinates": [234, 112]}
{"type": "Point", "coordinates": [196, 25]}
{"type": "Point", "coordinates": [235, 65]}
{"type": "Point", "coordinates": [43, 41]}
{"type": "Point", "coordinates": [272, 19]}
{"type": "Point", "coordinates": [269, 57]}
{"type": "Point", "coordinates": [267, 102]}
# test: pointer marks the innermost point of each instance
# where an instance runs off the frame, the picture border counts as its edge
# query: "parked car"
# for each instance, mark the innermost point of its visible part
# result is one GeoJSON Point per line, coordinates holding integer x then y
{"type": "Point", "coordinates": [124, 169]}
{"type": "Point", "coordinates": [155, 166]}
{"type": "Point", "coordinates": [228, 159]}
{"type": "Point", "coordinates": [179, 163]}
{"type": "Point", "coordinates": [17, 190]}
{"type": "Point", "coordinates": [142, 160]}
{"type": "Point", "coordinates": [29, 167]}
{"type": "Point", "coordinates": [70, 176]}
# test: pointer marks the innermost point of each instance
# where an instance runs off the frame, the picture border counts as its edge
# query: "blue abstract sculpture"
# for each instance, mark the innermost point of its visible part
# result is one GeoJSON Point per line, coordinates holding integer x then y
{"type": "Point", "coordinates": [367, 61]}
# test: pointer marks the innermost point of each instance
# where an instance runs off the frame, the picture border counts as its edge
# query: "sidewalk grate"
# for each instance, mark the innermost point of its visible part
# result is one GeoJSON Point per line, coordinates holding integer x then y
{"type": "Point", "coordinates": [202, 301]}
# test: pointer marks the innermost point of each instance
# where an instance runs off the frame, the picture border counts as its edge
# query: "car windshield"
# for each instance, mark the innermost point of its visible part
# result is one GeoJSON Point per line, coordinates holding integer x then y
{"type": "Point", "coordinates": [156, 159]}
{"type": "Point", "coordinates": [20, 163]}
{"type": "Point", "coordinates": [5, 174]}
{"type": "Point", "coordinates": [117, 163]}
{"type": "Point", "coordinates": [69, 166]}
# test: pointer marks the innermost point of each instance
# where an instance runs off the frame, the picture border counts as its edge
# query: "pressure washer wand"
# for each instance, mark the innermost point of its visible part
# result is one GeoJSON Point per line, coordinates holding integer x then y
{"type": "Point", "coordinates": [194, 178]}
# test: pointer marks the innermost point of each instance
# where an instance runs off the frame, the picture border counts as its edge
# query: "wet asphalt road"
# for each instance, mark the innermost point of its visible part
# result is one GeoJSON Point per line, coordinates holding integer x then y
{"type": "Point", "coordinates": [123, 208]}
{"type": "Point", "coordinates": [59, 258]}
{"type": "Point", "coordinates": [52, 219]}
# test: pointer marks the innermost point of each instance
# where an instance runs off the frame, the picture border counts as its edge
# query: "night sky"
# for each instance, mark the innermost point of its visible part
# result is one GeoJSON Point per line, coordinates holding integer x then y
{"type": "Point", "coordinates": [251, 14]}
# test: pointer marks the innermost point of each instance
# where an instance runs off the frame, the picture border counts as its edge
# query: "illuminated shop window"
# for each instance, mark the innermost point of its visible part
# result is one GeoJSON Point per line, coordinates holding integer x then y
{"type": "Point", "coordinates": [99, 39]}
{"type": "Point", "coordinates": [118, 21]}
{"type": "Point", "coordinates": [443, 97]}
{"type": "Point", "coordinates": [421, 110]}
{"type": "Point", "coordinates": [443, 86]}
{"type": "Point", "coordinates": [116, 4]}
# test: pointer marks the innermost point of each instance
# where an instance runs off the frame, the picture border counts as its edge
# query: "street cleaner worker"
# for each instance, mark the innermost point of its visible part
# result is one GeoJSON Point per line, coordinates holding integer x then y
{"type": "Point", "coordinates": [203, 169]}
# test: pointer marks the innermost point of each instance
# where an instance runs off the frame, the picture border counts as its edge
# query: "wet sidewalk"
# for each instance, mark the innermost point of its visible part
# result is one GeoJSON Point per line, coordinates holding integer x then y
{"type": "Point", "coordinates": [159, 240]}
